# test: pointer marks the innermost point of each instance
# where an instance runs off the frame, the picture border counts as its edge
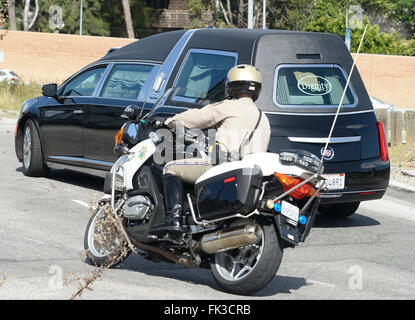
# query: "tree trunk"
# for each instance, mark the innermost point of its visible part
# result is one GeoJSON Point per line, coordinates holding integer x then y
{"type": "Point", "coordinates": [12, 14]}
{"type": "Point", "coordinates": [26, 24]}
{"type": "Point", "coordinates": [225, 15]}
{"type": "Point", "coordinates": [73, 10]}
{"type": "Point", "coordinates": [228, 4]}
{"type": "Point", "coordinates": [128, 20]}
{"type": "Point", "coordinates": [241, 10]}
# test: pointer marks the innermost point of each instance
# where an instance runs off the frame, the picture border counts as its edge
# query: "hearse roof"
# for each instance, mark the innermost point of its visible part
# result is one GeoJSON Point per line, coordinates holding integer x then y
{"type": "Point", "coordinates": [154, 48]}
{"type": "Point", "coordinates": [266, 49]}
{"type": "Point", "coordinates": [157, 47]}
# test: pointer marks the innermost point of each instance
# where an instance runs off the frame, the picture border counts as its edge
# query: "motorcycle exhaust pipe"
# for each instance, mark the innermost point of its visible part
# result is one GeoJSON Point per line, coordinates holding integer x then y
{"type": "Point", "coordinates": [230, 239]}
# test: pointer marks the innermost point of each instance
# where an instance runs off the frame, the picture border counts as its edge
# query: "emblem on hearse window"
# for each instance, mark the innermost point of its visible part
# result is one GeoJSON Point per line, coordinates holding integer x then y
{"type": "Point", "coordinates": [314, 85]}
{"type": "Point", "coordinates": [329, 154]}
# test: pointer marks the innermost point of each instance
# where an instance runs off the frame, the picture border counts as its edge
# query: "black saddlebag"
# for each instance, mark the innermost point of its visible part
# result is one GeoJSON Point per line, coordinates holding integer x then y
{"type": "Point", "coordinates": [228, 193]}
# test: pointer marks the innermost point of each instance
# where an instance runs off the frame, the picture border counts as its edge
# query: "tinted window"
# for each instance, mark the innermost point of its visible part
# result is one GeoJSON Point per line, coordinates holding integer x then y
{"type": "Point", "coordinates": [2, 73]}
{"type": "Point", "coordinates": [13, 74]}
{"type": "Point", "coordinates": [309, 86]}
{"type": "Point", "coordinates": [125, 81]}
{"type": "Point", "coordinates": [85, 83]}
{"type": "Point", "coordinates": [203, 75]}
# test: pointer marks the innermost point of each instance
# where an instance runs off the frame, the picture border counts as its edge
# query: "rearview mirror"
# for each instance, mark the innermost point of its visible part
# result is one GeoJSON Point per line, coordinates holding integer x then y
{"type": "Point", "coordinates": [132, 112]}
{"type": "Point", "coordinates": [50, 90]}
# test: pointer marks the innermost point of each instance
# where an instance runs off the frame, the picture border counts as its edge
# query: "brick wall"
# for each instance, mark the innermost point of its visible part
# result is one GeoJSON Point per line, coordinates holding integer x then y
{"type": "Point", "coordinates": [389, 78]}
{"type": "Point", "coordinates": [52, 57]}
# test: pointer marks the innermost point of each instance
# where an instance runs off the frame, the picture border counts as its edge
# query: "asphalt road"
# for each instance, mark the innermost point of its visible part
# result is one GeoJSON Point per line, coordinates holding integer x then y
{"type": "Point", "coordinates": [42, 221]}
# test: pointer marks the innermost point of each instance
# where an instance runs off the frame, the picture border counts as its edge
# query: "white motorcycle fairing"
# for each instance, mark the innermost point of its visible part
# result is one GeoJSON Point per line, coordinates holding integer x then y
{"type": "Point", "coordinates": [268, 163]}
{"type": "Point", "coordinates": [128, 164]}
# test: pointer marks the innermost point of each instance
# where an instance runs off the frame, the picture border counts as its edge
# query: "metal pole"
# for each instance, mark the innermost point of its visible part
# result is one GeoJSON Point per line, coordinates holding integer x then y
{"type": "Point", "coordinates": [264, 15]}
{"type": "Point", "coordinates": [250, 14]}
{"type": "Point", "coordinates": [347, 36]}
{"type": "Point", "coordinates": [81, 14]}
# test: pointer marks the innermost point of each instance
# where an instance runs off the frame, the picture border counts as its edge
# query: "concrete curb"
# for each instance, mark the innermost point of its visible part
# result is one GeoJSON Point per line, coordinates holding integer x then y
{"type": "Point", "coordinates": [401, 191]}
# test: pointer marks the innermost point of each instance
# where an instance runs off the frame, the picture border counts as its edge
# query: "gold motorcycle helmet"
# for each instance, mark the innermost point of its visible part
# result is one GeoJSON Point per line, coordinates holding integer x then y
{"type": "Point", "coordinates": [243, 79]}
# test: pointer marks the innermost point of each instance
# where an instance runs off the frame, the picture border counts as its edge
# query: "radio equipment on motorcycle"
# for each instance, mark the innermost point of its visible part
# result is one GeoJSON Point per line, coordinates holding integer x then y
{"type": "Point", "coordinates": [300, 158]}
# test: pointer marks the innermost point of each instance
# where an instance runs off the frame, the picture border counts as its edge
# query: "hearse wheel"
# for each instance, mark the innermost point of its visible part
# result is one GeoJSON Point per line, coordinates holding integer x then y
{"type": "Point", "coordinates": [248, 269]}
{"type": "Point", "coordinates": [339, 210]}
{"type": "Point", "coordinates": [33, 165]}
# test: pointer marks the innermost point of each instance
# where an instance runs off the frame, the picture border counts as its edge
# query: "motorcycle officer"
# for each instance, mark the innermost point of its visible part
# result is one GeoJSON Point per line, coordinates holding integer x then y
{"type": "Point", "coordinates": [241, 129]}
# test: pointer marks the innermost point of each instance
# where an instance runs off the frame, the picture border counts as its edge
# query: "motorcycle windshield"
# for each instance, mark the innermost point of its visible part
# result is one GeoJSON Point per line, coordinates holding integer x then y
{"type": "Point", "coordinates": [176, 95]}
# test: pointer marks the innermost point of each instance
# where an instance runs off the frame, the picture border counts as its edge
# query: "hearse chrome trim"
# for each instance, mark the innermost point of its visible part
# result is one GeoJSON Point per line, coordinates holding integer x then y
{"type": "Point", "coordinates": [324, 140]}
{"type": "Point", "coordinates": [338, 193]}
{"type": "Point", "coordinates": [86, 170]}
{"type": "Point", "coordinates": [318, 114]}
{"type": "Point", "coordinates": [167, 68]}
{"type": "Point", "coordinates": [82, 160]}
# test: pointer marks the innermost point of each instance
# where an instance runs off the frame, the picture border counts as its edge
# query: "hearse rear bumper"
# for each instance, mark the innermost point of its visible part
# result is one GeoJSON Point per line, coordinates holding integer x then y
{"type": "Point", "coordinates": [365, 180]}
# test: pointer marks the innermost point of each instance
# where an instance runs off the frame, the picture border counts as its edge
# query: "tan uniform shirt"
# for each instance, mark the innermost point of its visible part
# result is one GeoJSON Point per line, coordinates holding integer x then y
{"type": "Point", "coordinates": [234, 120]}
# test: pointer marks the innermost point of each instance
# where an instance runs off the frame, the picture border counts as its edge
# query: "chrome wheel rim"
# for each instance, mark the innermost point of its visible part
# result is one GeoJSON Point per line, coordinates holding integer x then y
{"type": "Point", "coordinates": [96, 248]}
{"type": "Point", "coordinates": [27, 147]}
{"type": "Point", "coordinates": [237, 264]}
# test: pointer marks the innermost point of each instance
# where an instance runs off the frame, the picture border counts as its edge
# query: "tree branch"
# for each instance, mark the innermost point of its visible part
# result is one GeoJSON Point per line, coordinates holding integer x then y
{"type": "Point", "coordinates": [224, 12]}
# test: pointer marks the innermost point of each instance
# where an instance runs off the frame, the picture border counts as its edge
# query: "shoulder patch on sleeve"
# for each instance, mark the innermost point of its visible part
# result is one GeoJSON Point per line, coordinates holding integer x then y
{"type": "Point", "coordinates": [223, 102]}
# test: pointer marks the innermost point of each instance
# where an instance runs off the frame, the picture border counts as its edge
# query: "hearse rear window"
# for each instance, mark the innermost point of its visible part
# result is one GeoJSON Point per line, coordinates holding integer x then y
{"type": "Point", "coordinates": [311, 86]}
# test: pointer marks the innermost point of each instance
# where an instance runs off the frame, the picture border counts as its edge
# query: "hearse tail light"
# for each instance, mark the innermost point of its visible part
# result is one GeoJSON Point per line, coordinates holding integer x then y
{"type": "Point", "coordinates": [288, 182]}
{"type": "Point", "coordinates": [384, 155]}
{"type": "Point", "coordinates": [118, 136]}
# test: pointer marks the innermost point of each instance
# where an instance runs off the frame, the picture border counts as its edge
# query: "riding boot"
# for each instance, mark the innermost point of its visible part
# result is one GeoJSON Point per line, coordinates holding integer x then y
{"type": "Point", "coordinates": [173, 195]}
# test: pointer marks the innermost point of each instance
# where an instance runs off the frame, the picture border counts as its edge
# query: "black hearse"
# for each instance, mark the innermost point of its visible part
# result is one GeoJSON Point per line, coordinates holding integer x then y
{"type": "Point", "coordinates": [304, 74]}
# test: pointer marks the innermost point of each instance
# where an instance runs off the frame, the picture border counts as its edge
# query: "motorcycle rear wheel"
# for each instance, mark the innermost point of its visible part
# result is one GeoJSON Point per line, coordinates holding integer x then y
{"type": "Point", "coordinates": [104, 243]}
{"type": "Point", "coordinates": [247, 270]}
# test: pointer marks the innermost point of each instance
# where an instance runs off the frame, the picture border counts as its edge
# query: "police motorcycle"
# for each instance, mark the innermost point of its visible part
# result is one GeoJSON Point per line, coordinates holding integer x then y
{"type": "Point", "coordinates": [240, 215]}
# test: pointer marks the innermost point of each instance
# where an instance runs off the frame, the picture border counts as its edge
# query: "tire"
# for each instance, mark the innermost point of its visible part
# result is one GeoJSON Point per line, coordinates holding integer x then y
{"type": "Point", "coordinates": [339, 210]}
{"type": "Point", "coordinates": [32, 156]}
{"type": "Point", "coordinates": [96, 254]}
{"type": "Point", "coordinates": [263, 269]}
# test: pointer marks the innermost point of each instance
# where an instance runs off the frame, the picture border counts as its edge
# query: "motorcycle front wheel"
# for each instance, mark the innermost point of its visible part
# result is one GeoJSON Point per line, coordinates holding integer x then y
{"type": "Point", "coordinates": [248, 269]}
{"type": "Point", "coordinates": [104, 242]}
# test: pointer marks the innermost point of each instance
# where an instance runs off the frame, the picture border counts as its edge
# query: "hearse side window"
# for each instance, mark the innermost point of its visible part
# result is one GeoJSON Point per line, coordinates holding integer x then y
{"type": "Point", "coordinates": [85, 83]}
{"type": "Point", "coordinates": [126, 81]}
{"type": "Point", "coordinates": [203, 74]}
{"type": "Point", "coordinates": [311, 86]}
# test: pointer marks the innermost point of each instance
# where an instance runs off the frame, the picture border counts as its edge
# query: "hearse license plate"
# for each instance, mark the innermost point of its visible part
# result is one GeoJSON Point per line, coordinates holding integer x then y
{"type": "Point", "coordinates": [334, 181]}
{"type": "Point", "coordinates": [289, 210]}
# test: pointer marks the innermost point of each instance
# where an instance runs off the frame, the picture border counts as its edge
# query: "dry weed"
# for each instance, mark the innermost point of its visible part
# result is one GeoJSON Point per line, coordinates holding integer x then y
{"type": "Point", "coordinates": [107, 233]}
{"type": "Point", "coordinates": [3, 279]}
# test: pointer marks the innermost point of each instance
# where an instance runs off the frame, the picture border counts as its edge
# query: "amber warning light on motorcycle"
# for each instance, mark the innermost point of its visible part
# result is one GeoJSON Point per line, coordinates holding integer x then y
{"type": "Point", "coordinates": [290, 182]}
{"type": "Point", "coordinates": [118, 136]}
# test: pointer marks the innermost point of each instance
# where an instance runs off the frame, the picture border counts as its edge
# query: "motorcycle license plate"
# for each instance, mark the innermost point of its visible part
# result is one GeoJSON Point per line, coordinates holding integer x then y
{"type": "Point", "coordinates": [334, 181]}
{"type": "Point", "coordinates": [289, 210]}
